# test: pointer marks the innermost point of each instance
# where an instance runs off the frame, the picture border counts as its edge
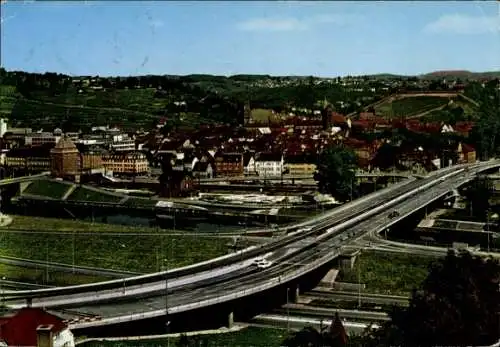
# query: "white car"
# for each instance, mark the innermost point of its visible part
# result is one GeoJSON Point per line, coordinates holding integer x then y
{"type": "Point", "coordinates": [262, 263]}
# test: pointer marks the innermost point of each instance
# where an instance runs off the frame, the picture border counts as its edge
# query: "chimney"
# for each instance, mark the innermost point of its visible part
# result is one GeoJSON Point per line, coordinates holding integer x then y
{"type": "Point", "coordinates": [44, 336]}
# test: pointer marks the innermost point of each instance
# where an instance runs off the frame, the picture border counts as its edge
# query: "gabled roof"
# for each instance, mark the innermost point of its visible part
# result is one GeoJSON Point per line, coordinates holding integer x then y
{"type": "Point", "coordinates": [246, 157]}
{"type": "Point", "coordinates": [303, 158]}
{"type": "Point", "coordinates": [65, 143]}
{"type": "Point", "coordinates": [268, 156]}
{"type": "Point", "coordinates": [20, 329]}
{"type": "Point", "coordinates": [201, 166]}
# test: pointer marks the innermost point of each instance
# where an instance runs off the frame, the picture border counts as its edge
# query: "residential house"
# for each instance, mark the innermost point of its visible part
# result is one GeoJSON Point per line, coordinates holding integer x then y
{"type": "Point", "coordinates": [91, 159]}
{"type": "Point", "coordinates": [29, 159]}
{"type": "Point", "coordinates": [249, 164]}
{"type": "Point", "coordinates": [175, 183]}
{"type": "Point", "coordinates": [466, 153]}
{"type": "Point", "coordinates": [203, 169]}
{"type": "Point", "coordinates": [132, 163]}
{"type": "Point", "coordinates": [300, 164]}
{"type": "Point", "coordinates": [365, 151]}
{"type": "Point", "coordinates": [228, 164]}
{"type": "Point", "coordinates": [269, 164]}
{"type": "Point", "coordinates": [34, 327]}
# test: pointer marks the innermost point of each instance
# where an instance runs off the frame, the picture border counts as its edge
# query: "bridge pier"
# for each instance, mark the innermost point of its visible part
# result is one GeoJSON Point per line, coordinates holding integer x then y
{"type": "Point", "coordinates": [347, 258]}
{"type": "Point", "coordinates": [230, 319]}
{"type": "Point", "coordinates": [297, 294]}
{"type": "Point", "coordinates": [29, 302]}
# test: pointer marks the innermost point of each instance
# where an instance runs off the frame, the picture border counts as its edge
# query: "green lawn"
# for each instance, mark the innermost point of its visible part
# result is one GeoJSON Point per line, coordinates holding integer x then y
{"type": "Point", "coordinates": [129, 249]}
{"type": "Point", "coordinates": [247, 337]}
{"type": "Point", "coordinates": [351, 305]}
{"type": "Point", "coordinates": [133, 201]}
{"type": "Point", "coordinates": [395, 274]}
{"type": "Point", "coordinates": [68, 225]}
{"type": "Point", "coordinates": [47, 188]}
{"type": "Point", "coordinates": [84, 194]}
{"type": "Point", "coordinates": [39, 276]}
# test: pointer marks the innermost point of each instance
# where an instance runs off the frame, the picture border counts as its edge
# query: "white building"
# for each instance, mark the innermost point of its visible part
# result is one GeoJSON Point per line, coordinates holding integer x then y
{"type": "Point", "coordinates": [3, 127]}
{"type": "Point", "coordinates": [269, 164]}
{"type": "Point", "coordinates": [249, 164]}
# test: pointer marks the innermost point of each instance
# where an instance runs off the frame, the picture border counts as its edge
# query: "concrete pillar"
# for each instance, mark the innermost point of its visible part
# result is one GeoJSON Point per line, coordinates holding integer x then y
{"type": "Point", "coordinates": [297, 294]}
{"type": "Point", "coordinates": [230, 320]}
{"type": "Point", "coordinates": [29, 302]}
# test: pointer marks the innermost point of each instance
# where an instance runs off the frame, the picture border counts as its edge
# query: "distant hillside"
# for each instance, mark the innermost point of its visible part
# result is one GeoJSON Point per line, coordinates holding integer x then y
{"type": "Point", "coordinates": [462, 74]}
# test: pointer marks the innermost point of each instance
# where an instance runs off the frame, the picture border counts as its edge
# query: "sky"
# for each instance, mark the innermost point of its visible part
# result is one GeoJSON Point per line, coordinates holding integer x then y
{"type": "Point", "coordinates": [328, 39]}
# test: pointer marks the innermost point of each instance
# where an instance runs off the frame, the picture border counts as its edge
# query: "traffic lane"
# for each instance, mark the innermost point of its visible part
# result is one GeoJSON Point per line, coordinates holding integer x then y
{"type": "Point", "coordinates": [199, 294]}
{"type": "Point", "coordinates": [207, 293]}
{"type": "Point", "coordinates": [182, 283]}
{"type": "Point", "coordinates": [367, 225]}
{"type": "Point", "coordinates": [275, 270]}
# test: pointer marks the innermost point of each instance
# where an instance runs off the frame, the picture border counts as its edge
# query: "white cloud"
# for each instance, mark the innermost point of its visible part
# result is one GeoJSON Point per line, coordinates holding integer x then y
{"type": "Point", "coordinates": [4, 20]}
{"type": "Point", "coordinates": [295, 24]}
{"type": "Point", "coordinates": [272, 24]}
{"type": "Point", "coordinates": [464, 24]}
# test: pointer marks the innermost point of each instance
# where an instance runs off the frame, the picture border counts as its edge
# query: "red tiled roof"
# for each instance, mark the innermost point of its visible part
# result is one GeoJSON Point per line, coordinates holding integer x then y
{"type": "Point", "coordinates": [337, 118]}
{"type": "Point", "coordinates": [20, 330]}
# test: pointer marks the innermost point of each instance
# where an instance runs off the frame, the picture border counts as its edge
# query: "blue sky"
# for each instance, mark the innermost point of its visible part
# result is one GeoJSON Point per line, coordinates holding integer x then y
{"type": "Point", "coordinates": [279, 38]}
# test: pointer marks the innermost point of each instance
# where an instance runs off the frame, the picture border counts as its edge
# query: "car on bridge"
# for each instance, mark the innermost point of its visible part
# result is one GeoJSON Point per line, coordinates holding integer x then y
{"type": "Point", "coordinates": [393, 214]}
{"type": "Point", "coordinates": [262, 263]}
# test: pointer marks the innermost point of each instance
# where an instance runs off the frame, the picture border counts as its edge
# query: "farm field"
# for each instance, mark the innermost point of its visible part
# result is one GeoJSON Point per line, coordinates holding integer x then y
{"type": "Point", "coordinates": [409, 106]}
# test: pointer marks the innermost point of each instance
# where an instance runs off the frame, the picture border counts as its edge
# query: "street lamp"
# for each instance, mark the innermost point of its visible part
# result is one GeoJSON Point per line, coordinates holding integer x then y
{"type": "Point", "coordinates": [287, 310]}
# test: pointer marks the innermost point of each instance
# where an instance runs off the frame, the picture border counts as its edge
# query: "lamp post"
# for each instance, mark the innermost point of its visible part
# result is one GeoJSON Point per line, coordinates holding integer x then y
{"type": "Point", "coordinates": [287, 310]}
{"type": "Point", "coordinates": [488, 227]}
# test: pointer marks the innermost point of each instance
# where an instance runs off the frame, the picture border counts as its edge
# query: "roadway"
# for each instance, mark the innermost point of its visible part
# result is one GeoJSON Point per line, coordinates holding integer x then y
{"type": "Point", "coordinates": [324, 246]}
{"type": "Point", "coordinates": [342, 213]}
{"type": "Point", "coordinates": [7, 181]}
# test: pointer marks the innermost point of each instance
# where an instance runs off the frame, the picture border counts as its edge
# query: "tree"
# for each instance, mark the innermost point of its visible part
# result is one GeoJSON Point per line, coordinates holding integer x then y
{"type": "Point", "coordinates": [478, 195]}
{"type": "Point", "coordinates": [458, 305]}
{"type": "Point", "coordinates": [336, 172]}
{"type": "Point", "coordinates": [334, 336]}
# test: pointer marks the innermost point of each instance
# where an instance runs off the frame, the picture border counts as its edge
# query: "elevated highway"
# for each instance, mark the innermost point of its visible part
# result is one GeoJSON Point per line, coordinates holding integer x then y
{"type": "Point", "coordinates": [302, 251]}
{"type": "Point", "coordinates": [8, 181]}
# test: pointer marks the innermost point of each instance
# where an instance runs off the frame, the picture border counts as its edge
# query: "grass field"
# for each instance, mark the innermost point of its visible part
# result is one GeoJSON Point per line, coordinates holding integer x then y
{"type": "Point", "coordinates": [84, 194]}
{"type": "Point", "coordinates": [409, 106]}
{"type": "Point", "coordinates": [39, 276]}
{"type": "Point", "coordinates": [47, 188]}
{"type": "Point", "coordinates": [395, 274]}
{"type": "Point", "coordinates": [127, 249]}
{"type": "Point", "coordinates": [133, 201]}
{"type": "Point", "coordinates": [247, 337]}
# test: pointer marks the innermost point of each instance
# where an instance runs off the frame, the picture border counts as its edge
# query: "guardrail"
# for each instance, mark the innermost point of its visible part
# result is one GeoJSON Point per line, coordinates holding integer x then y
{"type": "Point", "coordinates": [221, 261]}
{"type": "Point", "coordinates": [202, 266]}
{"type": "Point", "coordinates": [269, 284]}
